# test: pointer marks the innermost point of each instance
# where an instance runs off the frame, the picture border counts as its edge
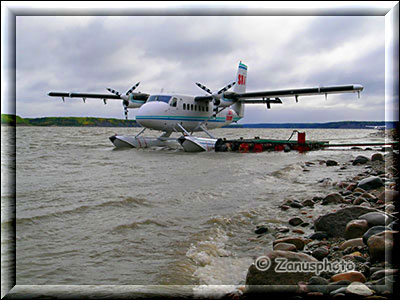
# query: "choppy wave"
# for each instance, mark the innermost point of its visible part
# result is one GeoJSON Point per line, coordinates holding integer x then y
{"type": "Point", "coordinates": [125, 202]}
{"type": "Point", "coordinates": [138, 224]}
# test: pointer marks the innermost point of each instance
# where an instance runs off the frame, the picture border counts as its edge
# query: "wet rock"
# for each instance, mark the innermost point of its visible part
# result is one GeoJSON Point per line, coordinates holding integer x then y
{"type": "Point", "coordinates": [358, 242]}
{"type": "Point", "coordinates": [283, 229]}
{"type": "Point", "coordinates": [317, 280]}
{"type": "Point", "coordinates": [375, 219]}
{"type": "Point", "coordinates": [351, 276]}
{"type": "Point", "coordinates": [377, 156]}
{"type": "Point", "coordinates": [358, 288]}
{"type": "Point", "coordinates": [369, 197]}
{"type": "Point", "coordinates": [333, 198]}
{"type": "Point", "coordinates": [379, 243]}
{"type": "Point", "coordinates": [390, 208]}
{"type": "Point", "coordinates": [394, 225]}
{"type": "Point", "coordinates": [370, 183]}
{"type": "Point", "coordinates": [359, 190]}
{"type": "Point", "coordinates": [295, 221]}
{"type": "Point", "coordinates": [284, 207]}
{"type": "Point", "coordinates": [299, 231]}
{"type": "Point", "coordinates": [356, 148]}
{"type": "Point", "coordinates": [334, 224]}
{"type": "Point", "coordinates": [330, 163]}
{"type": "Point", "coordinates": [308, 202]}
{"type": "Point", "coordinates": [360, 160]}
{"type": "Point", "coordinates": [355, 229]}
{"type": "Point", "coordinates": [351, 186]}
{"type": "Point", "coordinates": [338, 293]}
{"type": "Point", "coordinates": [271, 277]}
{"type": "Point", "coordinates": [388, 196]}
{"type": "Point", "coordinates": [285, 247]}
{"type": "Point", "coordinates": [382, 273]}
{"type": "Point", "coordinates": [335, 284]}
{"type": "Point", "coordinates": [374, 230]}
{"type": "Point", "coordinates": [359, 200]}
{"type": "Point", "coordinates": [261, 229]}
{"type": "Point", "coordinates": [297, 241]}
{"type": "Point", "coordinates": [317, 198]}
{"type": "Point", "coordinates": [296, 204]}
{"type": "Point", "coordinates": [387, 149]}
{"type": "Point", "coordinates": [319, 235]}
{"type": "Point", "coordinates": [320, 253]}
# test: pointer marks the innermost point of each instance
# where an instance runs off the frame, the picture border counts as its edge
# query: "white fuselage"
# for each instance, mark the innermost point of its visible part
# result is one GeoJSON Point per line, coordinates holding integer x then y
{"type": "Point", "coordinates": [164, 112]}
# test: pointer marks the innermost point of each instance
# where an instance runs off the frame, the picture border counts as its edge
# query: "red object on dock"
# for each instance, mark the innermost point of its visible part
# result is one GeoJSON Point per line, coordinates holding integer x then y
{"type": "Point", "coordinates": [301, 141]}
{"type": "Point", "coordinates": [301, 137]}
{"type": "Point", "coordinates": [258, 148]}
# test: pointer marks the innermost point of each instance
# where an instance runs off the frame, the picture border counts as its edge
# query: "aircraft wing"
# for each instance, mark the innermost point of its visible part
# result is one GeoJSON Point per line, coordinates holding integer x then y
{"type": "Point", "coordinates": [250, 97]}
{"type": "Point", "coordinates": [136, 96]}
{"type": "Point", "coordinates": [84, 95]}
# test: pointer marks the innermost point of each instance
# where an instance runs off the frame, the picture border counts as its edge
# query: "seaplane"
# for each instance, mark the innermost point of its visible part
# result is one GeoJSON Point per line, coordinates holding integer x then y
{"type": "Point", "coordinates": [185, 115]}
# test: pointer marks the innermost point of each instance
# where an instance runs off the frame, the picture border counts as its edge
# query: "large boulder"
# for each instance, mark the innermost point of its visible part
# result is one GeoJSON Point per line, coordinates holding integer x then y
{"type": "Point", "coordinates": [376, 219]}
{"type": "Point", "coordinates": [255, 276]}
{"type": "Point", "coordinates": [370, 183]}
{"type": "Point", "coordinates": [360, 160]}
{"type": "Point", "coordinates": [388, 196]}
{"type": "Point", "coordinates": [295, 221]}
{"type": "Point", "coordinates": [333, 198]}
{"type": "Point", "coordinates": [374, 230]}
{"type": "Point", "coordinates": [352, 243]}
{"type": "Point", "coordinates": [379, 244]}
{"type": "Point", "coordinates": [377, 156]}
{"type": "Point", "coordinates": [297, 241]}
{"type": "Point", "coordinates": [285, 247]}
{"type": "Point", "coordinates": [359, 289]}
{"type": "Point", "coordinates": [355, 229]}
{"type": "Point", "coordinates": [351, 276]}
{"type": "Point", "coordinates": [334, 224]}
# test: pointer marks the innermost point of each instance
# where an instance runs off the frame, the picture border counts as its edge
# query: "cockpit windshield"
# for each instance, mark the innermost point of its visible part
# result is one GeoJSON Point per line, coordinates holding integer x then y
{"type": "Point", "coordinates": [159, 98]}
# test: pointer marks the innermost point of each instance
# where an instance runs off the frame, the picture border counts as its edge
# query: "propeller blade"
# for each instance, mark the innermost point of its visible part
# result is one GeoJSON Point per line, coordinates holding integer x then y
{"type": "Point", "coordinates": [132, 88]}
{"type": "Point", "coordinates": [126, 111]}
{"type": "Point", "coordinates": [113, 92]}
{"type": "Point", "coordinates": [224, 89]}
{"type": "Point", "coordinates": [204, 88]}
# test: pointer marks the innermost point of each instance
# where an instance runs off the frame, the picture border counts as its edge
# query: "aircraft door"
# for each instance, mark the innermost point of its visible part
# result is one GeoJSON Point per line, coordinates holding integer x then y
{"type": "Point", "coordinates": [174, 103]}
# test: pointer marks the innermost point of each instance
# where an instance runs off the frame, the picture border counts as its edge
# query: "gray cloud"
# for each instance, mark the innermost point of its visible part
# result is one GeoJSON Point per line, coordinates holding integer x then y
{"type": "Point", "coordinates": [90, 54]}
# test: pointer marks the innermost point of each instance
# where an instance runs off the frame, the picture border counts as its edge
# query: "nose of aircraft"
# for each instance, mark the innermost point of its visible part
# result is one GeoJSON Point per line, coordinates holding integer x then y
{"type": "Point", "coordinates": [150, 111]}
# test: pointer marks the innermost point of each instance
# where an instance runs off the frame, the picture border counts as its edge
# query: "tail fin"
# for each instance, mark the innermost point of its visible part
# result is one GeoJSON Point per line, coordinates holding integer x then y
{"type": "Point", "coordinates": [240, 87]}
{"type": "Point", "coordinates": [241, 78]}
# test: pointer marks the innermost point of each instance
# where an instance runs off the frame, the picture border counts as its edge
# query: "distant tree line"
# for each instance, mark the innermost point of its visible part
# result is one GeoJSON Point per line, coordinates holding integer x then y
{"type": "Point", "coordinates": [14, 120]}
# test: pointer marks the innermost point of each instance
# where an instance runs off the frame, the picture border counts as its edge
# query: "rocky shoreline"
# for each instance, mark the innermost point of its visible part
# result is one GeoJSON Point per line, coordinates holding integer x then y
{"type": "Point", "coordinates": [359, 228]}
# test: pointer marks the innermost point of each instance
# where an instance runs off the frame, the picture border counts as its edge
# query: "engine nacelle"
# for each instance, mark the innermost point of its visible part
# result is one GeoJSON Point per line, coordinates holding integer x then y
{"type": "Point", "coordinates": [132, 102]}
{"type": "Point", "coordinates": [224, 102]}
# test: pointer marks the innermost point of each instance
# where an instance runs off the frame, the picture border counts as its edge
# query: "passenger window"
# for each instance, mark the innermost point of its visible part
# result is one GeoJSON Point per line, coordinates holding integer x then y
{"type": "Point", "coordinates": [206, 108]}
{"type": "Point", "coordinates": [191, 106]}
{"type": "Point", "coordinates": [184, 106]}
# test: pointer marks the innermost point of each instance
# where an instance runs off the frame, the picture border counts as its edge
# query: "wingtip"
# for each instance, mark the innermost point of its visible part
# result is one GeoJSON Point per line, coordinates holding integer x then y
{"type": "Point", "coordinates": [358, 87]}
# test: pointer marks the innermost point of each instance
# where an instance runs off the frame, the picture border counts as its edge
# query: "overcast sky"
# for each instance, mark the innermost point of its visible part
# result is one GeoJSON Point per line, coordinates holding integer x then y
{"type": "Point", "coordinates": [89, 54]}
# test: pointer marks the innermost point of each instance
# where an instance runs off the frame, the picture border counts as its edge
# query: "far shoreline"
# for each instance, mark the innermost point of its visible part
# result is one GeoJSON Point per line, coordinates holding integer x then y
{"type": "Point", "coordinates": [15, 120]}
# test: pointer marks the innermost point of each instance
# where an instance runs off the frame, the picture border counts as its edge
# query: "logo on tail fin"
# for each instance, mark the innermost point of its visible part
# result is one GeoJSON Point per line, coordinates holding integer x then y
{"type": "Point", "coordinates": [241, 78]}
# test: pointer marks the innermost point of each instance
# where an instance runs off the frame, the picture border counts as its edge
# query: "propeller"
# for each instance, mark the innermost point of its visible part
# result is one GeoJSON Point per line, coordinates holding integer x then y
{"type": "Point", "coordinates": [125, 97]}
{"type": "Point", "coordinates": [216, 95]}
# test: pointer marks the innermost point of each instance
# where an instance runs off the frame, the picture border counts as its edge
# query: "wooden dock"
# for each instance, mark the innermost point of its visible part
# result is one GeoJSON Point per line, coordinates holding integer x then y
{"type": "Point", "coordinates": [259, 145]}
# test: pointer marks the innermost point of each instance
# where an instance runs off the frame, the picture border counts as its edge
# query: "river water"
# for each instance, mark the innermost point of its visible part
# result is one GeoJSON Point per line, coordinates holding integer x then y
{"type": "Point", "coordinates": [88, 213]}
